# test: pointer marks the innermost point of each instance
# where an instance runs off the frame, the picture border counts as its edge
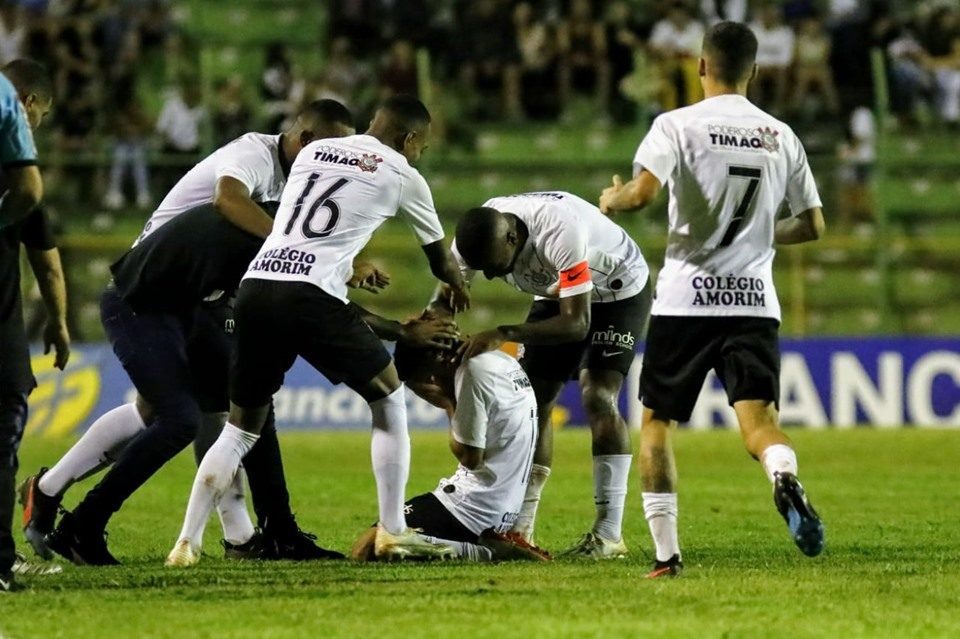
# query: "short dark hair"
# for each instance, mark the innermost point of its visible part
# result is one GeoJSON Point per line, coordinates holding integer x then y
{"type": "Point", "coordinates": [417, 363]}
{"type": "Point", "coordinates": [409, 113]}
{"type": "Point", "coordinates": [475, 234]}
{"type": "Point", "coordinates": [732, 49]}
{"type": "Point", "coordinates": [29, 76]}
{"type": "Point", "coordinates": [329, 111]}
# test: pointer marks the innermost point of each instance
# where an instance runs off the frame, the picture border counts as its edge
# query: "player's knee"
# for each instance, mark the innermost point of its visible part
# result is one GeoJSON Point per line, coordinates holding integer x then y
{"type": "Point", "coordinates": [599, 401]}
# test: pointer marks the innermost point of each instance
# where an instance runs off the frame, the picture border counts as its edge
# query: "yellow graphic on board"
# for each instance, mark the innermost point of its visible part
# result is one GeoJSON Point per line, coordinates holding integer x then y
{"type": "Point", "coordinates": [62, 400]}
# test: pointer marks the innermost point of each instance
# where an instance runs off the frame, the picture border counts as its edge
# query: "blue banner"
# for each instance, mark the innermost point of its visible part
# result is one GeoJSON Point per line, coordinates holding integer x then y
{"type": "Point", "coordinates": [884, 382]}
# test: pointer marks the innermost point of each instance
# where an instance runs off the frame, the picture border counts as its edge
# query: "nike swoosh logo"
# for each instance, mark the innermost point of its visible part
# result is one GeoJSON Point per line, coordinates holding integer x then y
{"type": "Point", "coordinates": [5, 585]}
{"type": "Point", "coordinates": [573, 276]}
{"type": "Point", "coordinates": [609, 354]}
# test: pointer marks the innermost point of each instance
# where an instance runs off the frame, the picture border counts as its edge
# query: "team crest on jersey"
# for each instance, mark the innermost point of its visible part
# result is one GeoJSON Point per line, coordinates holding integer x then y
{"type": "Point", "coordinates": [369, 162]}
{"type": "Point", "coordinates": [768, 139]}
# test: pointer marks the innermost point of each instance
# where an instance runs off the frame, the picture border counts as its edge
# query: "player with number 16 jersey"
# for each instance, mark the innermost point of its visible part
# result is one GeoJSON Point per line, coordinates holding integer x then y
{"type": "Point", "coordinates": [292, 302]}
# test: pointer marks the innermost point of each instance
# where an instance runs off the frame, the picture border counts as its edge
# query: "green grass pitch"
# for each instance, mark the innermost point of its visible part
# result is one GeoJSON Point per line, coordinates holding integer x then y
{"type": "Point", "coordinates": [889, 499]}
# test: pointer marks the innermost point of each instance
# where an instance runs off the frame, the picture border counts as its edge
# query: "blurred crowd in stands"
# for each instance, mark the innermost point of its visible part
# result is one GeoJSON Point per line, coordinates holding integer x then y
{"type": "Point", "coordinates": [605, 62]}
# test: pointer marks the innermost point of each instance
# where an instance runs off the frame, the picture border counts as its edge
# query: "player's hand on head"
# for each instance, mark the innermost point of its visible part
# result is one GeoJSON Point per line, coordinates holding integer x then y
{"type": "Point", "coordinates": [437, 332]}
{"type": "Point", "coordinates": [481, 343]}
{"type": "Point", "coordinates": [609, 194]}
{"type": "Point", "coordinates": [56, 336]}
{"type": "Point", "coordinates": [368, 277]}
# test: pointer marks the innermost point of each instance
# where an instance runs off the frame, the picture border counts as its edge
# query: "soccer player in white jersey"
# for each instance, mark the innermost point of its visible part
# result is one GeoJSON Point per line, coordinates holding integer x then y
{"type": "Point", "coordinates": [493, 431]}
{"type": "Point", "coordinates": [590, 308]}
{"type": "Point", "coordinates": [293, 302]}
{"type": "Point", "coordinates": [730, 168]}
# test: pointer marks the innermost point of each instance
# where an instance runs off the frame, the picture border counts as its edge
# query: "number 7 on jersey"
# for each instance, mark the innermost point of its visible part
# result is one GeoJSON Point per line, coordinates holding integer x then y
{"type": "Point", "coordinates": [753, 174]}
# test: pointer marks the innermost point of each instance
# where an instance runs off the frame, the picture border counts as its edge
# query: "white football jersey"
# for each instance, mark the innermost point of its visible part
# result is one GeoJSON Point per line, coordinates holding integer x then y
{"type": "Point", "coordinates": [253, 159]}
{"type": "Point", "coordinates": [496, 411]}
{"type": "Point", "coordinates": [572, 248]}
{"type": "Point", "coordinates": [729, 167]}
{"type": "Point", "coordinates": [339, 192]}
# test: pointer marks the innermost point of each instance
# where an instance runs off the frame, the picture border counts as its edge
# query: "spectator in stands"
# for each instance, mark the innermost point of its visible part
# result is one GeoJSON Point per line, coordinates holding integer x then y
{"type": "Point", "coordinates": [716, 10]}
{"type": "Point", "coordinates": [910, 81]}
{"type": "Point", "coordinates": [584, 67]}
{"type": "Point", "coordinates": [943, 46]}
{"type": "Point", "coordinates": [626, 36]}
{"type": "Point", "coordinates": [180, 119]}
{"type": "Point", "coordinates": [156, 24]}
{"type": "Point", "coordinates": [232, 114]}
{"type": "Point", "coordinates": [675, 42]}
{"type": "Point", "coordinates": [489, 71]}
{"type": "Point", "coordinates": [13, 32]}
{"type": "Point", "coordinates": [129, 153]}
{"type": "Point", "coordinates": [75, 55]}
{"type": "Point", "coordinates": [774, 57]}
{"type": "Point", "coordinates": [539, 63]}
{"type": "Point", "coordinates": [813, 74]}
{"type": "Point", "coordinates": [857, 158]}
{"type": "Point", "coordinates": [276, 85]}
{"type": "Point", "coordinates": [345, 75]}
{"type": "Point", "coordinates": [398, 74]}
{"type": "Point", "coordinates": [76, 117]}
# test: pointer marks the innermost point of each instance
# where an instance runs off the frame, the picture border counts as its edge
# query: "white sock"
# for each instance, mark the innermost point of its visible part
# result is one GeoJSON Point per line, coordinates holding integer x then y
{"type": "Point", "coordinates": [98, 447]}
{"type": "Point", "coordinates": [610, 476]}
{"type": "Point", "coordinates": [464, 550]}
{"type": "Point", "coordinates": [232, 509]}
{"type": "Point", "coordinates": [660, 509]}
{"type": "Point", "coordinates": [778, 458]}
{"type": "Point", "coordinates": [527, 517]}
{"type": "Point", "coordinates": [390, 454]}
{"type": "Point", "coordinates": [214, 476]}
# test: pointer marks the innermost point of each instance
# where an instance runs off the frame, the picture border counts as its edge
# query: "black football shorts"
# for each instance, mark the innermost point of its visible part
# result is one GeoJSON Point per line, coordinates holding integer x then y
{"type": "Point", "coordinates": [274, 322]}
{"type": "Point", "coordinates": [680, 351]}
{"type": "Point", "coordinates": [616, 329]}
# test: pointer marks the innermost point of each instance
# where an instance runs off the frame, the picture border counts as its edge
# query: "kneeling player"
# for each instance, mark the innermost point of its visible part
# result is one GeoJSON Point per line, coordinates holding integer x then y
{"type": "Point", "coordinates": [493, 431]}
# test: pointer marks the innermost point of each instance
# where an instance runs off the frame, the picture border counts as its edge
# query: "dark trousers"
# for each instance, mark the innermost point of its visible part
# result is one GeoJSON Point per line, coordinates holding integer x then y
{"type": "Point", "coordinates": [13, 418]}
{"type": "Point", "coordinates": [154, 350]}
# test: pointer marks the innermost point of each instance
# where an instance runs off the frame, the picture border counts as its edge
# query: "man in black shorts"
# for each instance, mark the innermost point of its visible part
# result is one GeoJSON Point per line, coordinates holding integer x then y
{"type": "Point", "coordinates": [730, 168]}
{"type": "Point", "coordinates": [590, 310]}
{"type": "Point", "coordinates": [293, 302]}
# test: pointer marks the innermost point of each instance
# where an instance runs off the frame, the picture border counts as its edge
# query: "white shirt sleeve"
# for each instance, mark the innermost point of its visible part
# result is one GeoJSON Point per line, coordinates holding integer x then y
{"type": "Point", "coordinates": [474, 397]}
{"type": "Point", "coordinates": [253, 167]}
{"type": "Point", "coordinates": [565, 248]}
{"type": "Point", "coordinates": [801, 188]}
{"type": "Point", "coordinates": [657, 153]}
{"type": "Point", "coordinates": [417, 209]}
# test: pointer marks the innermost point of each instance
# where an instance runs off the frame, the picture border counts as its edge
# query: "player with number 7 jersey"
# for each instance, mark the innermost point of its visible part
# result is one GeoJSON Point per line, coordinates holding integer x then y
{"type": "Point", "coordinates": [731, 169]}
{"type": "Point", "coordinates": [291, 304]}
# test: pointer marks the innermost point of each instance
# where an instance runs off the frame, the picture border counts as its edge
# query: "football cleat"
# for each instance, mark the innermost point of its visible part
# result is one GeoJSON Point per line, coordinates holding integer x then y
{"type": "Point", "coordinates": [81, 546]}
{"type": "Point", "coordinates": [296, 545]}
{"type": "Point", "coordinates": [511, 546]}
{"type": "Point", "coordinates": [7, 582]}
{"type": "Point", "coordinates": [253, 549]}
{"type": "Point", "coordinates": [409, 544]}
{"type": "Point", "coordinates": [802, 520]}
{"type": "Point", "coordinates": [39, 514]}
{"type": "Point", "coordinates": [22, 566]}
{"type": "Point", "coordinates": [670, 568]}
{"type": "Point", "coordinates": [593, 546]}
{"type": "Point", "coordinates": [183, 555]}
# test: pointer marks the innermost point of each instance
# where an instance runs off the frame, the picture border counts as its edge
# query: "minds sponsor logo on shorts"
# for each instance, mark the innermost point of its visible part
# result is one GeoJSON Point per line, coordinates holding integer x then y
{"type": "Point", "coordinates": [744, 138]}
{"type": "Point", "coordinates": [613, 337]}
{"type": "Point", "coordinates": [285, 261]}
{"type": "Point", "coordinates": [728, 291]}
{"type": "Point", "coordinates": [366, 162]}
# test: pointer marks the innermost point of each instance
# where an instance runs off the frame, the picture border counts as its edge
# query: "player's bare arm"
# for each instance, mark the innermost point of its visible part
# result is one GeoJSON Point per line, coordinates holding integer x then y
{"type": "Point", "coordinates": [469, 457]}
{"type": "Point", "coordinates": [232, 200]}
{"type": "Point", "coordinates": [432, 332]}
{"type": "Point", "coordinates": [25, 193]}
{"type": "Point", "coordinates": [48, 270]}
{"type": "Point", "coordinates": [444, 267]}
{"type": "Point", "coordinates": [806, 227]}
{"type": "Point", "coordinates": [635, 194]}
{"type": "Point", "coordinates": [571, 325]}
